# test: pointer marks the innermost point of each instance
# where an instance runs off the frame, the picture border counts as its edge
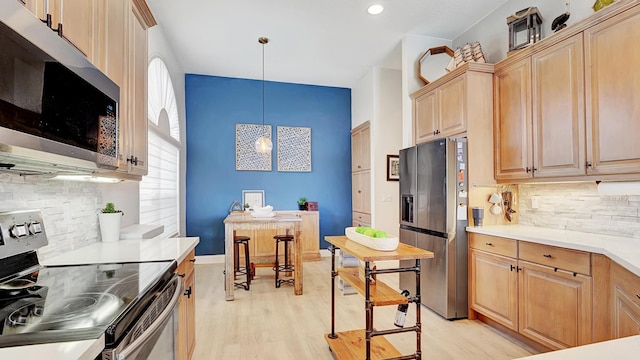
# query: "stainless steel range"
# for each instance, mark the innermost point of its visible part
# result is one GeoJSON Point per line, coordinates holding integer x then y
{"type": "Point", "coordinates": [132, 303]}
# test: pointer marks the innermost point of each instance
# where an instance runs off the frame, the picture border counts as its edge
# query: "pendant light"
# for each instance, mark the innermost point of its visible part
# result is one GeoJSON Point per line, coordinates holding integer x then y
{"type": "Point", "coordinates": [263, 144]}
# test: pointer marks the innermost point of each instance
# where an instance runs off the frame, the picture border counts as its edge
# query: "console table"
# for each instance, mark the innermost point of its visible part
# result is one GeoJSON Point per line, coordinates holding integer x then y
{"type": "Point", "coordinates": [243, 221]}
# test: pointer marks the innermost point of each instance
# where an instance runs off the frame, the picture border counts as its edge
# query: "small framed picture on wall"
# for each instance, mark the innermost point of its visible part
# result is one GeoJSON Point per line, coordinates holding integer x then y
{"type": "Point", "coordinates": [253, 198]}
{"type": "Point", "coordinates": [393, 168]}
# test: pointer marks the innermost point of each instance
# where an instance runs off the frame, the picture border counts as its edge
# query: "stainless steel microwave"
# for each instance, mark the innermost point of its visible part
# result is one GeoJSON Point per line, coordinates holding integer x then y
{"type": "Point", "coordinates": [56, 108]}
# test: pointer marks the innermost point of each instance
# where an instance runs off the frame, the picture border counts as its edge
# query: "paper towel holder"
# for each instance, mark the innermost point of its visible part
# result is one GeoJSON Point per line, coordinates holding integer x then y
{"type": "Point", "coordinates": [618, 187]}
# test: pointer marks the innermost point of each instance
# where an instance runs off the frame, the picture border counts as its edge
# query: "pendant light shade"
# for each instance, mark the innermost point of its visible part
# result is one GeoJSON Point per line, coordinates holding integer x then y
{"type": "Point", "coordinates": [263, 144]}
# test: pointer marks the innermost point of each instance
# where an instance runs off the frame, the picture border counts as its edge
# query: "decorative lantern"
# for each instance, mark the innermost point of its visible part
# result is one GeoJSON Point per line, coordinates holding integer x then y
{"type": "Point", "coordinates": [524, 28]}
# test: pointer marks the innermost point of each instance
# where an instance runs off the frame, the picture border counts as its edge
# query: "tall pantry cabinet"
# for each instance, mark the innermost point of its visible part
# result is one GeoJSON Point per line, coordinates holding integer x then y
{"type": "Point", "coordinates": [361, 174]}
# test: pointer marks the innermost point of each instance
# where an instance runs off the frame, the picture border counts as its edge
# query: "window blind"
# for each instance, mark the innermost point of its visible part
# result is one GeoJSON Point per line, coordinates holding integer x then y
{"type": "Point", "coordinates": [159, 188]}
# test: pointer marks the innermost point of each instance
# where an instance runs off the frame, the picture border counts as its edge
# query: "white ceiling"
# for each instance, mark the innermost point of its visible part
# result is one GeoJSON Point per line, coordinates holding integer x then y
{"type": "Point", "coordinates": [321, 42]}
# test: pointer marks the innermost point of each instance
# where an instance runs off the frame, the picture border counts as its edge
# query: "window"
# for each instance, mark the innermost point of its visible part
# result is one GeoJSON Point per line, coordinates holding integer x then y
{"type": "Point", "coordinates": [159, 190]}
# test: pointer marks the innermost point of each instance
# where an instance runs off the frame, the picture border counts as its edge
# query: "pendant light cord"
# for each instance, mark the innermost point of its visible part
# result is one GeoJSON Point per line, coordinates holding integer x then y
{"type": "Point", "coordinates": [263, 127]}
{"type": "Point", "coordinates": [263, 40]}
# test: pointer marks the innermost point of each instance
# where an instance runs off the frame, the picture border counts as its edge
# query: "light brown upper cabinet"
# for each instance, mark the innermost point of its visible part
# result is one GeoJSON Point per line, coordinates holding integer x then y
{"type": "Point", "coordinates": [78, 21]}
{"type": "Point", "coordinates": [453, 104]}
{"type": "Point", "coordinates": [564, 107]}
{"type": "Point", "coordinates": [122, 55]}
{"type": "Point", "coordinates": [37, 7]}
{"type": "Point", "coordinates": [137, 122]}
{"type": "Point", "coordinates": [76, 18]}
{"type": "Point", "coordinates": [539, 114]}
{"type": "Point", "coordinates": [441, 112]}
{"type": "Point", "coordinates": [613, 82]}
{"type": "Point", "coordinates": [512, 123]}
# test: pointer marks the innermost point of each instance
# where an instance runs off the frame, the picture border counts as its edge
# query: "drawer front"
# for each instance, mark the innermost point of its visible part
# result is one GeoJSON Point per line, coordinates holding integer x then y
{"type": "Point", "coordinates": [556, 257]}
{"type": "Point", "coordinates": [361, 219]}
{"type": "Point", "coordinates": [493, 244]}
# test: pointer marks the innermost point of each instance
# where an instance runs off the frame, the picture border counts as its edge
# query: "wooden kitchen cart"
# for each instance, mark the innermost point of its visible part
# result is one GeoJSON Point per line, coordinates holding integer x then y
{"type": "Point", "coordinates": [369, 343]}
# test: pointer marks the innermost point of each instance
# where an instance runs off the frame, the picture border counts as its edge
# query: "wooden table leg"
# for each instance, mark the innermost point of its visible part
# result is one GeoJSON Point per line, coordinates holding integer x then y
{"type": "Point", "coordinates": [228, 261]}
{"type": "Point", "coordinates": [297, 264]}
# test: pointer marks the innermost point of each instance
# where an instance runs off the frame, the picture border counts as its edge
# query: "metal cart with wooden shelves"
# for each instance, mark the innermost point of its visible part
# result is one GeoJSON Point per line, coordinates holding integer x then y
{"type": "Point", "coordinates": [369, 343]}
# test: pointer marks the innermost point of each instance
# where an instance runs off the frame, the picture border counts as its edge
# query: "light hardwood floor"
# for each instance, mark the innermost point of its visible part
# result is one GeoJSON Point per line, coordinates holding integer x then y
{"type": "Point", "coordinates": [270, 323]}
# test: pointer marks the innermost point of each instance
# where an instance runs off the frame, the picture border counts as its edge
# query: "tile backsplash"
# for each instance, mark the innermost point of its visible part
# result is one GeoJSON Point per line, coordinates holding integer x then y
{"type": "Point", "coordinates": [69, 209]}
{"type": "Point", "coordinates": [579, 207]}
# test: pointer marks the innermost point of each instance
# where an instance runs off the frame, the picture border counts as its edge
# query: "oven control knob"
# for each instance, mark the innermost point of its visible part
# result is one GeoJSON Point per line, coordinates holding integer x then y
{"type": "Point", "coordinates": [34, 228]}
{"type": "Point", "coordinates": [18, 230]}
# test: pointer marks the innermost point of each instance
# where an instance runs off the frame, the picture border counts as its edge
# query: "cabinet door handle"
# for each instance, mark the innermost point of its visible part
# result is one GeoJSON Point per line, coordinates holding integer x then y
{"type": "Point", "coordinates": [192, 260]}
{"type": "Point", "coordinates": [512, 267]}
{"type": "Point", "coordinates": [588, 164]}
{"type": "Point", "coordinates": [638, 295]}
{"type": "Point", "coordinates": [47, 20]}
{"type": "Point", "coordinates": [547, 256]}
{"type": "Point", "coordinates": [534, 169]}
{"type": "Point", "coordinates": [527, 169]}
{"type": "Point", "coordinates": [488, 244]}
{"type": "Point", "coordinates": [181, 275]}
{"type": "Point", "coordinates": [187, 293]}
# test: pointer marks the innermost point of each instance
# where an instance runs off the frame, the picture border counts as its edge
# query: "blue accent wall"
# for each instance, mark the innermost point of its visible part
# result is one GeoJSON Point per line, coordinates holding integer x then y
{"type": "Point", "coordinates": [215, 104]}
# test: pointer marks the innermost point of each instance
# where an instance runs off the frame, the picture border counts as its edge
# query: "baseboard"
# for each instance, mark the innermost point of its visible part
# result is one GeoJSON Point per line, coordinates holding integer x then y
{"type": "Point", "coordinates": [219, 259]}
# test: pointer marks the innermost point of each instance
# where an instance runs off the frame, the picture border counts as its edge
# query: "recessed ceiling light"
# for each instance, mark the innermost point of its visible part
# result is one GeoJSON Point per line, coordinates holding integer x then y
{"type": "Point", "coordinates": [375, 9]}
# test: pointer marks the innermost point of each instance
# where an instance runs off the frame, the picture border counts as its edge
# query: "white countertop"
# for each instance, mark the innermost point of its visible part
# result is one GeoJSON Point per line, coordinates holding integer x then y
{"type": "Point", "coordinates": [127, 251]}
{"type": "Point", "coordinates": [101, 253]}
{"type": "Point", "coordinates": [620, 349]}
{"type": "Point", "coordinates": [624, 251]}
{"type": "Point", "coordinates": [81, 350]}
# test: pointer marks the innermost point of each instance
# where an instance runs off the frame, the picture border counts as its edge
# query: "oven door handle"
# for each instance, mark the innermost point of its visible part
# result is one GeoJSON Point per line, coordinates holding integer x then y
{"type": "Point", "coordinates": [156, 326]}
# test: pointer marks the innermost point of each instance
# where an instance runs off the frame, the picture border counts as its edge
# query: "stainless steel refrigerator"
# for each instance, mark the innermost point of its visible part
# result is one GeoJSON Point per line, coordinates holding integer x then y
{"type": "Point", "coordinates": [433, 216]}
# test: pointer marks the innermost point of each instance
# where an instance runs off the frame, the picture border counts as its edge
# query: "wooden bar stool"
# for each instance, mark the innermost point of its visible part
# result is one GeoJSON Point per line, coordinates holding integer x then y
{"type": "Point", "coordinates": [287, 266]}
{"type": "Point", "coordinates": [237, 241]}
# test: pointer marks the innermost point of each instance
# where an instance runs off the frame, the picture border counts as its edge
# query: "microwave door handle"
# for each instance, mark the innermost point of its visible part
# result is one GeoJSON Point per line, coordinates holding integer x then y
{"type": "Point", "coordinates": [155, 327]}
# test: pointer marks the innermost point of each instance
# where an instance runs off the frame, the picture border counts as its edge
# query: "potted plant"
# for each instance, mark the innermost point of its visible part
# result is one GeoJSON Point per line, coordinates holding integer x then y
{"type": "Point", "coordinates": [246, 206]}
{"type": "Point", "coordinates": [110, 219]}
{"type": "Point", "coordinates": [302, 203]}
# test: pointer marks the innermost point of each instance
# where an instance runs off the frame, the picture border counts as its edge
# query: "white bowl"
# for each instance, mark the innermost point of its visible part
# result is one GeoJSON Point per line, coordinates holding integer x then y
{"type": "Point", "coordinates": [263, 210]}
{"type": "Point", "coordinates": [390, 243]}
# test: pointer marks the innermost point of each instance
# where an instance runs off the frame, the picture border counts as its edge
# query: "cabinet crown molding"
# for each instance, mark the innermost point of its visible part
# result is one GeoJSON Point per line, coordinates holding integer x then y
{"type": "Point", "coordinates": [477, 67]}
{"type": "Point", "coordinates": [145, 13]}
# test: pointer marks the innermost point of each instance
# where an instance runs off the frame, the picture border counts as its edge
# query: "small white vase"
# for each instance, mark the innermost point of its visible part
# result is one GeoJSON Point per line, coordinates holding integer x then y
{"type": "Point", "coordinates": [110, 226]}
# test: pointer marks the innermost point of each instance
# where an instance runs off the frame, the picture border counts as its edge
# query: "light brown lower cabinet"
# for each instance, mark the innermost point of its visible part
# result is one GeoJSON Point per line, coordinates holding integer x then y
{"type": "Point", "coordinates": [554, 306]}
{"type": "Point", "coordinates": [544, 303]}
{"type": "Point", "coordinates": [494, 291]}
{"type": "Point", "coordinates": [616, 308]}
{"type": "Point", "coordinates": [186, 337]}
